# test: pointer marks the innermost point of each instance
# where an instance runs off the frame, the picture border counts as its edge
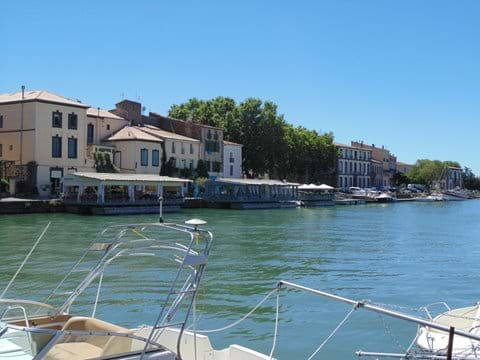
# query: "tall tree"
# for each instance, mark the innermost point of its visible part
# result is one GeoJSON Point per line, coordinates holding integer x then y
{"type": "Point", "coordinates": [270, 145]}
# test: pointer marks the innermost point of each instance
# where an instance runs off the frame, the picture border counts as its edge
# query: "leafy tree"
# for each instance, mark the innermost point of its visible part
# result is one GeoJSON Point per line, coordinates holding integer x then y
{"type": "Point", "coordinates": [470, 181]}
{"type": "Point", "coordinates": [400, 179]}
{"type": "Point", "coordinates": [270, 145]}
{"type": "Point", "coordinates": [202, 171]}
{"type": "Point", "coordinates": [428, 171]}
{"type": "Point", "coordinates": [103, 163]}
{"type": "Point", "coordinates": [169, 168]}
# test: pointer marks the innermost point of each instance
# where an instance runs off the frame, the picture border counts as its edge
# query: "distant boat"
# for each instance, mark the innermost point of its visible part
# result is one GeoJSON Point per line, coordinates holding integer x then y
{"type": "Point", "coordinates": [431, 198]}
{"type": "Point", "coordinates": [455, 195]}
{"type": "Point", "coordinates": [385, 198]}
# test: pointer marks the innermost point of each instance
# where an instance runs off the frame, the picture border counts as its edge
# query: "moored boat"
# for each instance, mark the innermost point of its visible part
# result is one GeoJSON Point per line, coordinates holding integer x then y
{"type": "Point", "coordinates": [384, 198]}
{"type": "Point", "coordinates": [31, 330]}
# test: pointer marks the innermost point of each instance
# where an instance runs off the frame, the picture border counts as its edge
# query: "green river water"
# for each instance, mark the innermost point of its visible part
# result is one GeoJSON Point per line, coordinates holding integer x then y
{"type": "Point", "coordinates": [409, 254]}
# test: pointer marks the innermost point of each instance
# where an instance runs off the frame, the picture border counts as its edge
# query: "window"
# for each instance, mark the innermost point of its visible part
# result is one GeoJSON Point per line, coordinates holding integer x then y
{"type": "Point", "coordinates": [56, 147]}
{"type": "Point", "coordinates": [144, 157]}
{"type": "Point", "coordinates": [215, 135]}
{"type": "Point", "coordinates": [108, 126]}
{"type": "Point", "coordinates": [208, 165]}
{"type": "Point", "coordinates": [183, 148]}
{"type": "Point", "coordinates": [72, 121]}
{"type": "Point", "coordinates": [1, 121]}
{"type": "Point", "coordinates": [209, 134]}
{"type": "Point", "coordinates": [1, 150]}
{"type": "Point", "coordinates": [10, 147]}
{"type": "Point", "coordinates": [212, 146]}
{"type": "Point", "coordinates": [155, 158]}
{"type": "Point", "coordinates": [231, 157]}
{"type": "Point", "coordinates": [216, 166]}
{"type": "Point", "coordinates": [173, 147]}
{"type": "Point", "coordinates": [72, 148]}
{"type": "Point", "coordinates": [184, 164]}
{"type": "Point", "coordinates": [90, 131]}
{"type": "Point", "coordinates": [191, 148]}
{"type": "Point", "coordinates": [231, 170]}
{"type": "Point", "coordinates": [191, 165]}
{"type": "Point", "coordinates": [56, 119]}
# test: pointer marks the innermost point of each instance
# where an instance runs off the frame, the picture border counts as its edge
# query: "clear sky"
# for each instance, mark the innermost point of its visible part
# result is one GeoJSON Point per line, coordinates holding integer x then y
{"type": "Point", "coordinates": [404, 74]}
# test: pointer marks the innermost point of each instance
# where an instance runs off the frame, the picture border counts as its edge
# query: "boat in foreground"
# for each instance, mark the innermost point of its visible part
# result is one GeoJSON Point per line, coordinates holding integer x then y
{"type": "Point", "coordinates": [31, 330]}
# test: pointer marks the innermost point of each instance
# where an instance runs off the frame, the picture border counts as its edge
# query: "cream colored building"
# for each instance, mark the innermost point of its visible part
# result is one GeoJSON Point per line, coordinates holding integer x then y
{"type": "Point", "coordinates": [184, 150]}
{"type": "Point", "coordinates": [44, 136]}
{"type": "Point", "coordinates": [354, 166]}
{"type": "Point", "coordinates": [139, 149]}
{"type": "Point", "coordinates": [232, 159]}
{"type": "Point", "coordinates": [41, 127]}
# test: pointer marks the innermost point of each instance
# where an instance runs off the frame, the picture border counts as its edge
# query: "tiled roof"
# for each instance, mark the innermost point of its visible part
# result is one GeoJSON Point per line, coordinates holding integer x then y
{"type": "Point", "coordinates": [39, 95]}
{"type": "Point", "coordinates": [226, 142]}
{"type": "Point", "coordinates": [153, 130]}
{"type": "Point", "coordinates": [128, 133]}
{"type": "Point", "coordinates": [102, 113]}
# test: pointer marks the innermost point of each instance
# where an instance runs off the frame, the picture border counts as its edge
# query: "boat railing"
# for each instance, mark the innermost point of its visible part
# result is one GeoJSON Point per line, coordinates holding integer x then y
{"type": "Point", "coordinates": [427, 308]}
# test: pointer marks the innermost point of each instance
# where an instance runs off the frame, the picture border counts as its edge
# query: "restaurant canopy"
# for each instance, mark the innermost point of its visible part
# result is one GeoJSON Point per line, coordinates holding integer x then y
{"type": "Point", "coordinates": [315, 187]}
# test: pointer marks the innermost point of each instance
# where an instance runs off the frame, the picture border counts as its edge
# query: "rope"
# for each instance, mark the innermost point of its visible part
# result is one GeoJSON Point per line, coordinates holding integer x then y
{"type": "Point", "coordinates": [242, 318]}
{"type": "Point", "coordinates": [355, 307]}
{"type": "Point", "coordinates": [275, 332]}
{"type": "Point", "coordinates": [25, 260]}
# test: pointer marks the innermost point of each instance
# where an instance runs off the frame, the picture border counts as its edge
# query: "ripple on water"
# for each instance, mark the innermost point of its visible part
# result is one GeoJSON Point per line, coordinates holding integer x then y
{"type": "Point", "coordinates": [409, 254]}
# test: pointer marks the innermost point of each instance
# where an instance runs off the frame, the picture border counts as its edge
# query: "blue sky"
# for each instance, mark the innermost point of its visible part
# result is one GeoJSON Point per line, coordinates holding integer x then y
{"type": "Point", "coordinates": [404, 74]}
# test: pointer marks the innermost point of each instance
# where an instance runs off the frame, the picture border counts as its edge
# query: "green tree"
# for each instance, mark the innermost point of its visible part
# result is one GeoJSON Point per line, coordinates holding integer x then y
{"type": "Point", "coordinates": [169, 168]}
{"type": "Point", "coordinates": [270, 145]}
{"type": "Point", "coordinates": [202, 171]}
{"type": "Point", "coordinates": [428, 171]}
{"type": "Point", "coordinates": [470, 181]}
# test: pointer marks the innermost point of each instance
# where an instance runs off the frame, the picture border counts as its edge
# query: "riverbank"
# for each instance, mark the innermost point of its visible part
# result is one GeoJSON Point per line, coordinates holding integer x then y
{"type": "Point", "coordinates": [15, 206]}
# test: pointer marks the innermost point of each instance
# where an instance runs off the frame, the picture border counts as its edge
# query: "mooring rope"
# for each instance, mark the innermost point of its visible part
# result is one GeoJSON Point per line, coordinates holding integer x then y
{"type": "Point", "coordinates": [242, 318]}
{"type": "Point", "coordinates": [355, 307]}
{"type": "Point", "coordinates": [275, 332]}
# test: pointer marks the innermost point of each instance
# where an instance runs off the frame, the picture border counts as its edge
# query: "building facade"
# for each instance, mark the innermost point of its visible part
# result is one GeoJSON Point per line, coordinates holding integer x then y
{"type": "Point", "coordinates": [210, 138]}
{"type": "Point", "coordinates": [354, 166]}
{"type": "Point", "coordinates": [388, 160]}
{"type": "Point", "coordinates": [232, 160]}
{"type": "Point", "coordinates": [403, 168]}
{"type": "Point", "coordinates": [377, 173]}
{"type": "Point", "coordinates": [139, 149]}
{"type": "Point", "coordinates": [43, 137]}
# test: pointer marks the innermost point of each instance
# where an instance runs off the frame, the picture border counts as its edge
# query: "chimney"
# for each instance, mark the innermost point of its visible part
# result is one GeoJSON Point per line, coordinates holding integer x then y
{"type": "Point", "coordinates": [23, 92]}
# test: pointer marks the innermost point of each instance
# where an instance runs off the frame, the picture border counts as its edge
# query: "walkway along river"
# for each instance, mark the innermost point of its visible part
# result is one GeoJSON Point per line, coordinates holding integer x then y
{"type": "Point", "coordinates": [409, 254]}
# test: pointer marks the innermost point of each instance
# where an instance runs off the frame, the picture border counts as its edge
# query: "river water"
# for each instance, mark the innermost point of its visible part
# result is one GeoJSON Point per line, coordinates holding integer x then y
{"type": "Point", "coordinates": [408, 254]}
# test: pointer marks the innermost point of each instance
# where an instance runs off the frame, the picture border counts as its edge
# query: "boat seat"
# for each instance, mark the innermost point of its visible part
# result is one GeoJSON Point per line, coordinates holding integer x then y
{"type": "Point", "coordinates": [86, 346]}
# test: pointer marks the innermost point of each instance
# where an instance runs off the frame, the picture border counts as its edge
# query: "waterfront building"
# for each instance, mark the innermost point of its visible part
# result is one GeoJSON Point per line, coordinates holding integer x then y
{"type": "Point", "coordinates": [354, 166]}
{"type": "Point", "coordinates": [107, 193]}
{"type": "Point", "coordinates": [232, 159]}
{"type": "Point", "coordinates": [403, 168]}
{"type": "Point", "coordinates": [377, 173]}
{"type": "Point", "coordinates": [210, 137]}
{"type": "Point", "coordinates": [388, 160]}
{"type": "Point", "coordinates": [451, 178]}
{"type": "Point", "coordinates": [139, 149]}
{"type": "Point", "coordinates": [42, 138]}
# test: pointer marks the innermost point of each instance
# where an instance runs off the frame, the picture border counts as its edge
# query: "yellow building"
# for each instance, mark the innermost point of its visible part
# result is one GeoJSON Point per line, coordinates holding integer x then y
{"type": "Point", "coordinates": [45, 129]}
{"type": "Point", "coordinates": [139, 149]}
{"type": "Point", "coordinates": [44, 136]}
